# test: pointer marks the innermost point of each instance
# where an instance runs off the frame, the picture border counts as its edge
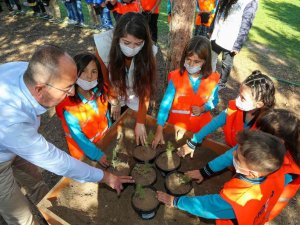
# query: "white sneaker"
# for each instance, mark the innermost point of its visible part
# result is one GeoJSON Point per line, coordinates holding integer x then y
{"type": "Point", "coordinates": [72, 22]}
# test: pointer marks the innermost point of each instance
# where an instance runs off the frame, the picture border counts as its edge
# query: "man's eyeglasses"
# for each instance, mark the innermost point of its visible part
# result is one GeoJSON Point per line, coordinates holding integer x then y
{"type": "Point", "coordinates": [67, 92]}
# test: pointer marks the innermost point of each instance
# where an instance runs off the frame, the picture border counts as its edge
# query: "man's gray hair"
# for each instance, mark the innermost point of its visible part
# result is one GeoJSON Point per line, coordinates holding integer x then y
{"type": "Point", "coordinates": [44, 64]}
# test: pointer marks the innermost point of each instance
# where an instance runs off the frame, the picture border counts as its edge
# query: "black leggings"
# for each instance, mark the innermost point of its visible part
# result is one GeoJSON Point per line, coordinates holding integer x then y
{"type": "Point", "coordinates": [152, 21]}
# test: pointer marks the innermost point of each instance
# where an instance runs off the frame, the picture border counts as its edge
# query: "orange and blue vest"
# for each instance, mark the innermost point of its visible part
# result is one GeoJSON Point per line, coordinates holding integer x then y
{"type": "Point", "coordinates": [205, 5]}
{"type": "Point", "coordinates": [126, 7]}
{"type": "Point", "coordinates": [289, 167]}
{"type": "Point", "coordinates": [252, 203]}
{"type": "Point", "coordinates": [92, 124]}
{"type": "Point", "coordinates": [234, 123]}
{"type": "Point", "coordinates": [185, 97]}
{"type": "Point", "coordinates": [148, 5]}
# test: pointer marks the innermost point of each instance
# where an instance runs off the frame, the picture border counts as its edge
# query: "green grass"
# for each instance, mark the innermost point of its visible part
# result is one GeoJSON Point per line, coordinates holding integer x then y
{"type": "Point", "coordinates": [277, 26]}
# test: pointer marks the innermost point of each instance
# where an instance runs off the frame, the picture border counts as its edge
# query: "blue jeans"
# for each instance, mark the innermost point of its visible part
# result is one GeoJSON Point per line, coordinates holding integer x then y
{"type": "Point", "coordinates": [79, 12]}
{"type": "Point", "coordinates": [71, 10]}
{"type": "Point", "coordinates": [105, 18]}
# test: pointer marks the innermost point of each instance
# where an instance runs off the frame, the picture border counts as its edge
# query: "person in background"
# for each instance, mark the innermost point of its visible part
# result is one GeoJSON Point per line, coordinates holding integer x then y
{"type": "Point", "coordinates": [29, 89]}
{"type": "Point", "coordinates": [257, 94]}
{"type": "Point", "coordinates": [205, 12]}
{"type": "Point", "coordinates": [126, 55]}
{"type": "Point", "coordinates": [150, 9]}
{"type": "Point", "coordinates": [230, 30]}
{"type": "Point", "coordinates": [192, 91]}
{"type": "Point", "coordinates": [250, 195]}
{"type": "Point", "coordinates": [121, 7]}
{"type": "Point", "coordinates": [85, 116]}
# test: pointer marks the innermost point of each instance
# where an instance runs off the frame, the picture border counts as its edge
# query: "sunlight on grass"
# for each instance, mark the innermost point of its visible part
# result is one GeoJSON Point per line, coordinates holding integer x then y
{"type": "Point", "coordinates": [277, 26]}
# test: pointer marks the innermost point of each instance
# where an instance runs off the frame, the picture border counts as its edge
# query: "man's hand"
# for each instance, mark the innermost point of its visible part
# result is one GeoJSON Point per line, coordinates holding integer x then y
{"type": "Point", "coordinates": [195, 175]}
{"type": "Point", "coordinates": [185, 150]}
{"type": "Point", "coordinates": [115, 182]}
{"type": "Point", "coordinates": [103, 161]}
{"type": "Point", "coordinates": [140, 134]}
{"type": "Point", "coordinates": [159, 137]}
{"type": "Point", "coordinates": [165, 198]}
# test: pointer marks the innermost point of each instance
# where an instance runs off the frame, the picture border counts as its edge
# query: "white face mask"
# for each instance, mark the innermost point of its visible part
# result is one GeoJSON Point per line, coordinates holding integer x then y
{"type": "Point", "coordinates": [130, 52]}
{"type": "Point", "coordinates": [245, 106]}
{"type": "Point", "coordinates": [86, 85]}
{"type": "Point", "coordinates": [192, 69]}
{"type": "Point", "coordinates": [241, 170]}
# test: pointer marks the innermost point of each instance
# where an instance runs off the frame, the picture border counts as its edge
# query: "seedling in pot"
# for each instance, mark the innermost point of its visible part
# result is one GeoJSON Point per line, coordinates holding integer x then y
{"type": "Point", "coordinates": [139, 192]}
{"type": "Point", "coordinates": [184, 179]}
{"type": "Point", "coordinates": [142, 169]}
{"type": "Point", "coordinates": [150, 138]}
{"type": "Point", "coordinates": [169, 150]}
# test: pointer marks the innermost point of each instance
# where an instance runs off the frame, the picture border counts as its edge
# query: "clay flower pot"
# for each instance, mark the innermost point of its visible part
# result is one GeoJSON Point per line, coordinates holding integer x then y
{"type": "Point", "coordinates": [144, 174]}
{"type": "Point", "coordinates": [178, 184]}
{"type": "Point", "coordinates": [145, 203]}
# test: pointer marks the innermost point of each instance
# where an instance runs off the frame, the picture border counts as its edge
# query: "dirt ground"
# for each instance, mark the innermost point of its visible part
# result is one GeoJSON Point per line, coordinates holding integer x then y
{"type": "Point", "coordinates": [20, 35]}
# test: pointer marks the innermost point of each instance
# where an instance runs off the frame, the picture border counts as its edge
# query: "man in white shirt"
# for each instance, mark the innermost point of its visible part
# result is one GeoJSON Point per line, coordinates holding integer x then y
{"type": "Point", "coordinates": [26, 91]}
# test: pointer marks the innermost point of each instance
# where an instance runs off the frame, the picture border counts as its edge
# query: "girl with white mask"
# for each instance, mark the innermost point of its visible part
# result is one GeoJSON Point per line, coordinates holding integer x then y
{"type": "Point", "coordinates": [85, 116]}
{"type": "Point", "coordinates": [256, 94]}
{"type": "Point", "coordinates": [127, 60]}
{"type": "Point", "coordinates": [192, 91]}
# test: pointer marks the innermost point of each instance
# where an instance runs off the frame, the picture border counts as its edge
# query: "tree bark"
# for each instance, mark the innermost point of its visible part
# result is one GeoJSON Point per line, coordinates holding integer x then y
{"type": "Point", "coordinates": [181, 28]}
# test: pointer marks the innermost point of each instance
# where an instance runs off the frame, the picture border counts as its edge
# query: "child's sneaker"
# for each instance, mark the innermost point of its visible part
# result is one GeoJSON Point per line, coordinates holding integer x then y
{"type": "Point", "coordinates": [83, 25]}
{"type": "Point", "coordinates": [72, 22]}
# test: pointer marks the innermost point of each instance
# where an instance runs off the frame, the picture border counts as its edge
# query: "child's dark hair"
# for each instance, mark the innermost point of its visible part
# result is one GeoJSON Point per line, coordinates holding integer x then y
{"type": "Point", "coordinates": [262, 88]}
{"type": "Point", "coordinates": [82, 60]}
{"type": "Point", "coordinates": [225, 7]}
{"type": "Point", "coordinates": [200, 46]}
{"type": "Point", "coordinates": [263, 152]}
{"type": "Point", "coordinates": [144, 62]}
{"type": "Point", "coordinates": [285, 125]}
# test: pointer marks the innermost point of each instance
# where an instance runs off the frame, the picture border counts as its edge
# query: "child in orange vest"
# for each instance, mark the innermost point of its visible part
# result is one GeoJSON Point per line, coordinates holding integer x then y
{"type": "Point", "coordinates": [286, 126]}
{"type": "Point", "coordinates": [192, 91]}
{"type": "Point", "coordinates": [205, 14]}
{"type": "Point", "coordinates": [124, 6]}
{"type": "Point", "coordinates": [85, 116]}
{"type": "Point", "coordinates": [251, 194]}
{"type": "Point", "coordinates": [257, 93]}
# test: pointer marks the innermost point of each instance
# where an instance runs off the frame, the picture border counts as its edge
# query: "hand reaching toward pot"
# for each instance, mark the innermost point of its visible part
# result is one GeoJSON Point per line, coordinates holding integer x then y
{"type": "Point", "coordinates": [115, 182]}
{"type": "Point", "coordinates": [104, 162]}
{"type": "Point", "coordinates": [140, 134]}
{"type": "Point", "coordinates": [185, 150]}
{"type": "Point", "coordinates": [159, 137]}
{"type": "Point", "coordinates": [195, 175]}
{"type": "Point", "coordinates": [165, 198]}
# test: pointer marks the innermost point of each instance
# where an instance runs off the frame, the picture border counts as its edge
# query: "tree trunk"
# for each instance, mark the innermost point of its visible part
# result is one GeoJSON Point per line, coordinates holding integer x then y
{"type": "Point", "coordinates": [181, 28]}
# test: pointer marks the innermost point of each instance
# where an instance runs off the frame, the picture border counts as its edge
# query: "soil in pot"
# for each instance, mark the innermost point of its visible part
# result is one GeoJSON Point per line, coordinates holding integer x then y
{"type": "Point", "coordinates": [168, 161]}
{"type": "Point", "coordinates": [143, 174]}
{"type": "Point", "coordinates": [144, 202]}
{"type": "Point", "coordinates": [178, 184]}
{"type": "Point", "coordinates": [144, 153]}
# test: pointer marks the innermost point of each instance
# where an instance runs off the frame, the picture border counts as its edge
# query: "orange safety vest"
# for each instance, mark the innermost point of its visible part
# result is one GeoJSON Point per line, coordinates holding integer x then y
{"type": "Point", "coordinates": [181, 112]}
{"type": "Point", "coordinates": [126, 7]}
{"type": "Point", "coordinates": [234, 123]}
{"type": "Point", "coordinates": [92, 124]}
{"type": "Point", "coordinates": [148, 5]}
{"type": "Point", "coordinates": [289, 167]}
{"type": "Point", "coordinates": [252, 203]}
{"type": "Point", "coordinates": [205, 5]}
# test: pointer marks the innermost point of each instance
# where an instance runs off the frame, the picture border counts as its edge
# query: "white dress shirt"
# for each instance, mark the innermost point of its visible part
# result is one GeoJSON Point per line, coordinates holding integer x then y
{"type": "Point", "coordinates": [19, 123]}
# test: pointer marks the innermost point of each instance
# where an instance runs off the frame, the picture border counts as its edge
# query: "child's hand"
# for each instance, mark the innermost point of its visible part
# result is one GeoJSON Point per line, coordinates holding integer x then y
{"type": "Point", "coordinates": [159, 137]}
{"type": "Point", "coordinates": [103, 161]}
{"type": "Point", "coordinates": [185, 150]}
{"type": "Point", "coordinates": [165, 198]}
{"type": "Point", "coordinates": [197, 110]}
{"type": "Point", "coordinates": [140, 134]}
{"type": "Point", "coordinates": [195, 175]}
